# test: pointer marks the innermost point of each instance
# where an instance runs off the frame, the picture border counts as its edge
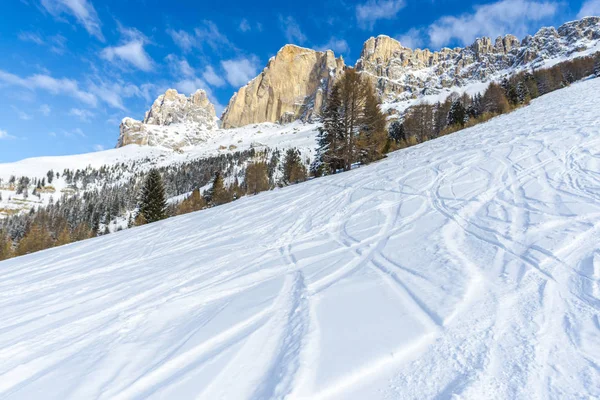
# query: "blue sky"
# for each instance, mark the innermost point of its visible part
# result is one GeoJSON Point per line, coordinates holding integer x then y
{"type": "Point", "coordinates": [70, 70]}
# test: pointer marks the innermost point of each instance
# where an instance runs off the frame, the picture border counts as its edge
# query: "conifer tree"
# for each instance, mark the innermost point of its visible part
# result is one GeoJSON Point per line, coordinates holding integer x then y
{"type": "Point", "coordinates": [5, 247]}
{"type": "Point", "coordinates": [372, 136]}
{"type": "Point", "coordinates": [36, 239]}
{"type": "Point", "coordinates": [257, 178]}
{"type": "Point", "coordinates": [219, 193]}
{"type": "Point", "coordinates": [597, 67]}
{"type": "Point", "coordinates": [457, 114]}
{"type": "Point", "coordinates": [396, 131]}
{"type": "Point", "coordinates": [294, 170]}
{"type": "Point", "coordinates": [153, 204]}
{"type": "Point", "coordinates": [523, 95]}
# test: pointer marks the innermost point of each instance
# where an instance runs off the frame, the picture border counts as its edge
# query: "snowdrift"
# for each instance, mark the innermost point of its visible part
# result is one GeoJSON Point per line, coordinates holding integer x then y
{"type": "Point", "coordinates": [467, 266]}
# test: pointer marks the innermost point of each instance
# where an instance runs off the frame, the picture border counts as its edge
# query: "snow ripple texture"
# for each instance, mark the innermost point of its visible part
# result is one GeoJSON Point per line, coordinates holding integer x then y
{"type": "Point", "coordinates": [467, 267]}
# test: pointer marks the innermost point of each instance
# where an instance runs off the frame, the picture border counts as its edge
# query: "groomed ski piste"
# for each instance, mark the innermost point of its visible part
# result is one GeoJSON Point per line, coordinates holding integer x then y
{"type": "Point", "coordinates": [467, 267]}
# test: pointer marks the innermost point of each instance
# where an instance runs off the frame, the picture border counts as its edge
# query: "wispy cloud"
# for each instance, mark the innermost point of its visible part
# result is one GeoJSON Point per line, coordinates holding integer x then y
{"type": "Point", "coordinates": [506, 16]}
{"type": "Point", "coordinates": [56, 43]}
{"type": "Point", "coordinates": [48, 83]}
{"type": "Point", "coordinates": [337, 45]}
{"type": "Point", "coordinates": [291, 30]}
{"type": "Point", "coordinates": [589, 8]}
{"type": "Point", "coordinates": [4, 135]}
{"type": "Point", "coordinates": [98, 147]}
{"type": "Point", "coordinates": [45, 110]}
{"type": "Point", "coordinates": [245, 25]}
{"type": "Point", "coordinates": [367, 14]}
{"type": "Point", "coordinates": [413, 38]}
{"type": "Point", "coordinates": [131, 50]}
{"type": "Point", "coordinates": [207, 34]}
{"type": "Point", "coordinates": [210, 76]}
{"type": "Point", "coordinates": [240, 71]}
{"type": "Point", "coordinates": [82, 10]}
{"type": "Point", "coordinates": [83, 115]}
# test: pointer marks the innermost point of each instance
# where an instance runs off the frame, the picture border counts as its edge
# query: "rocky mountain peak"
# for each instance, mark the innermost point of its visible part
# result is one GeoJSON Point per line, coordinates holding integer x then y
{"type": "Point", "coordinates": [292, 86]}
{"type": "Point", "coordinates": [172, 108]}
{"type": "Point", "coordinates": [173, 121]}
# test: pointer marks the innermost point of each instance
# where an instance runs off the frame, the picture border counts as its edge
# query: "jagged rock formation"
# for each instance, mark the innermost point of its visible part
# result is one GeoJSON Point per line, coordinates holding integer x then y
{"type": "Point", "coordinates": [400, 73]}
{"type": "Point", "coordinates": [293, 86]}
{"type": "Point", "coordinates": [173, 121]}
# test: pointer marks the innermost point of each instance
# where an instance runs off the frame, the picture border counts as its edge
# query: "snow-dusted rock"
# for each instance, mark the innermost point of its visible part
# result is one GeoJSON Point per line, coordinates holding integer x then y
{"type": "Point", "coordinates": [173, 121]}
{"type": "Point", "coordinates": [292, 86]}
{"type": "Point", "coordinates": [400, 73]}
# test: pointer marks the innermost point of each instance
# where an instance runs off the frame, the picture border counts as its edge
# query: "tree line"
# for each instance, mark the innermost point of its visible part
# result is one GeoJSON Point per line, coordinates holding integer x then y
{"type": "Point", "coordinates": [109, 197]}
{"type": "Point", "coordinates": [353, 132]}
{"type": "Point", "coordinates": [424, 122]}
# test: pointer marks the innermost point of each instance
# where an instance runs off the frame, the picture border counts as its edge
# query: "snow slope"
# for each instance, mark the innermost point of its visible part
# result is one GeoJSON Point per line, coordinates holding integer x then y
{"type": "Point", "coordinates": [466, 267]}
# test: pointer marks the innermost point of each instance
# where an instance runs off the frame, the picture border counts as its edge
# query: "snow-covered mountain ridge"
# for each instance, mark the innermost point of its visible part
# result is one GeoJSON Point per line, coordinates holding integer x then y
{"type": "Point", "coordinates": [465, 267]}
{"type": "Point", "coordinates": [294, 84]}
{"type": "Point", "coordinates": [402, 74]}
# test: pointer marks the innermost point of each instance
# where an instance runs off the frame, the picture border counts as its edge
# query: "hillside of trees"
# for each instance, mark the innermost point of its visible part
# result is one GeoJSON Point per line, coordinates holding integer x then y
{"type": "Point", "coordinates": [353, 132]}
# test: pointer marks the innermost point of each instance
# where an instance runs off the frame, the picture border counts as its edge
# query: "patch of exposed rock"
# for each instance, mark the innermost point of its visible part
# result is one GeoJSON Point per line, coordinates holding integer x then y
{"type": "Point", "coordinates": [293, 86]}
{"type": "Point", "coordinates": [400, 73]}
{"type": "Point", "coordinates": [173, 121]}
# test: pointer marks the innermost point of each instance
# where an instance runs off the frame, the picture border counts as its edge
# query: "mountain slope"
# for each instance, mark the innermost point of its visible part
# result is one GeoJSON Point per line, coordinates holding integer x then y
{"type": "Point", "coordinates": [467, 265]}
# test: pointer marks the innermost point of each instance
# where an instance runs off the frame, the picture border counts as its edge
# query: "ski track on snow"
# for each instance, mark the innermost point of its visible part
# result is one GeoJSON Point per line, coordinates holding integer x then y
{"type": "Point", "coordinates": [466, 267]}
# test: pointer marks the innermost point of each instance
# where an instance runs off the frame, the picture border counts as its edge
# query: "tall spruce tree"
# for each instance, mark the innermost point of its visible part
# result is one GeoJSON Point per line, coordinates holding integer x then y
{"type": "Point", "coordinates": [294, 170]}
{"type": "Point", "coordinates": [457, 114]}
{"type": "Point", "coordinates": [153, 204]}
{"type": "Point", "coordinates": [218, 193]}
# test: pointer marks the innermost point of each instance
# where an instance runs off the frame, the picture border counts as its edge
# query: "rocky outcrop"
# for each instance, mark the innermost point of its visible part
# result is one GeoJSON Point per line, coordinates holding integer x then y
{"type": "Point", "coordinates": [293, 86]}
{"type": "Point", "coordinates": [400, 73]}
{"type": "Point", "coordinates": [173, 121]}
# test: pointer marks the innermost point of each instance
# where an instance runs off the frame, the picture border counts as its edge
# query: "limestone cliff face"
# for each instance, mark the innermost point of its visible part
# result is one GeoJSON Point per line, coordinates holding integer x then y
{"type": "Point", "coordinates": [173, 121]}
{"type": "Point", "coordinates": [400, 73]}
{"type": "Point", "coordinates": [292, 86]}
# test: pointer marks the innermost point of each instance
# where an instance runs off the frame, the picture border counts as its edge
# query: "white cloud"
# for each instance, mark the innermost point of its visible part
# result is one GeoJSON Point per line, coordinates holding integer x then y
{"type": "Point", "coordinates": [210, 76]}
{"type": "Point", "coordinates": [337, 45]}
{"type": "Point", "coordinates": [291, 30]}
{"type": "Point", "coordinates": [45, 110]}
{"type": "Point", "coordinates": [31, 37]}
{"type": "Point", "coordinates": [73, 132]}
{"type": "Point", "coordinates": [184, 40]}
{"type": "Point", "coordinates": [239, 72]}
{"type": "Point", "coordinates": [4, 135]}
{"type": "Point", "coordinates": [132, 52]}
{"type": "Point", "coordinates": [505, 16]}
{"type": "Point", "coordinates": [245, 25]}
{"type": "Point", "coordinates": [412, 39]}
{"type": "Point", "coordinates": [180, 66]}
{"type": "Point", "coordinates": [113, 92]}
{"type": "Point", "coordinates": [83, 11]}
{"type": "Point", "coordinates": [83, 115]}
{"type": "Point", "coordinates": [589, 8]}
{"type": "Point", "coordinates": [22, 115]}
{"type": "Point", "coordinates": [98, 147]}
{"type": "Point", "coordinates": [46, 82]}
{"type": "Point", "coordinates": [207, 34]}
{"type": "Point", "coordinates": [369, 13]}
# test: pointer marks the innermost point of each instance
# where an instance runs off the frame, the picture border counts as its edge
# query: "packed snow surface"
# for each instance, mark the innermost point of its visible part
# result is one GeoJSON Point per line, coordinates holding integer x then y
{"type": "Point", "coordinates": [467, 267]}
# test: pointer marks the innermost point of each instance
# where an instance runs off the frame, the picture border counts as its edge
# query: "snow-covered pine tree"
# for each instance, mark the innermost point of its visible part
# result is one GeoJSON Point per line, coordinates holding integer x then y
{"type": "Point", "coordinates": [153, 204]}
{"type": "Point", "coordinates": [523, 95]}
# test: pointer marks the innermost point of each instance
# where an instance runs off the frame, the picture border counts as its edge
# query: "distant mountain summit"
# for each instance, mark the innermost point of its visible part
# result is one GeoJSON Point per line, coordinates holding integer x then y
{"type": "Point", "coordinates": [173, 121]}
{"type": "Point", "coordinates": [293, 85]}
{"type": "Point", "coordinates": [295, 82]}
{"type": "Point", "coordinates": [400, 73]}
